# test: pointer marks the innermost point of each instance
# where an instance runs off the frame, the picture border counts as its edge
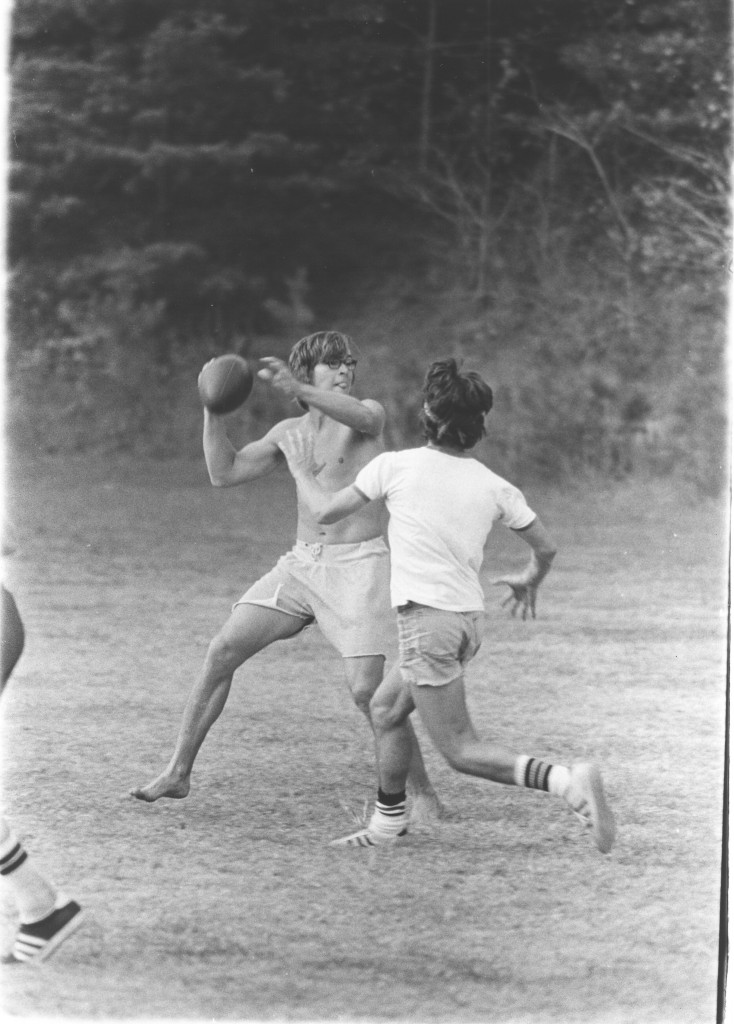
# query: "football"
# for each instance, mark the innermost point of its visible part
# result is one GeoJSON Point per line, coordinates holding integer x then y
{"type": "Point", "coordinates": [225, 383]}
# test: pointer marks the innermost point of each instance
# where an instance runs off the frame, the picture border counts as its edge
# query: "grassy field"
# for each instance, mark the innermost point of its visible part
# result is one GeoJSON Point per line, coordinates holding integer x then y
{"type": "Point", "coordinates": [230, 904]}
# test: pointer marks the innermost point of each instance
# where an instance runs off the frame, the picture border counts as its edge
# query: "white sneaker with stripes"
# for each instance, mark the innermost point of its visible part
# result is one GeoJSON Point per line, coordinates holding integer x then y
{"type": "Point", "coordinates": [36, 942]}
{"type": "Point", "coordinates": [386, 825]}
{"type": "Point", "coordinates": [586, 797]}
{"type": "Point", "coordinates": [369, 837]}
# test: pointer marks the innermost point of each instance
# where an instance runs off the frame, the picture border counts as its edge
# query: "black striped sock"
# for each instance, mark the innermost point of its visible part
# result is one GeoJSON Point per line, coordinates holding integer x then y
{"type": "Point", "coordinates": [389, 817]}
{"type": "Point", "coordinates": [12, 859]}
{"type": "Point", "coordinates": [390, 799]}
{"type": "Point", "coordinates": [536, 774]}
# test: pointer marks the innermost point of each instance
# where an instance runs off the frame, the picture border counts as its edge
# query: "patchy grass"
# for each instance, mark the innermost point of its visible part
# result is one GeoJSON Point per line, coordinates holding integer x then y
{"type": "Point", "coordinates": [230, 904]}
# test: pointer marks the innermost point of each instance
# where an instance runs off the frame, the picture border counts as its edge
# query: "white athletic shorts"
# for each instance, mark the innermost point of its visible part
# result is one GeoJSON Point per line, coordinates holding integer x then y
{"type": "Point", "coordinates": [344, 588]}
{"type": "Point", "coordinates": [436, 645]}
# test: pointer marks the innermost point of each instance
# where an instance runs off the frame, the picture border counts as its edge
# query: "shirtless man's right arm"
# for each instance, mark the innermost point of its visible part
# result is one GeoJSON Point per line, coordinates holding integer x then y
{"type": "Point", "coordinates": [229, 466]}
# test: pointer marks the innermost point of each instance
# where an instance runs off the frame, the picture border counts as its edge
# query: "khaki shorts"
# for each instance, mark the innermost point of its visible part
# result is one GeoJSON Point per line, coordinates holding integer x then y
{"type": "Point", "coordinates": [344, 588]}
{"type": "Point", "coordinates": [435, 645]}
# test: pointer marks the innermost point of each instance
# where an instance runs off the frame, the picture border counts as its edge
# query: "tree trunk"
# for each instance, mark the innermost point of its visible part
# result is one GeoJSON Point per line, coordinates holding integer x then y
{"type": "Point", "coordinates": [428, 68]}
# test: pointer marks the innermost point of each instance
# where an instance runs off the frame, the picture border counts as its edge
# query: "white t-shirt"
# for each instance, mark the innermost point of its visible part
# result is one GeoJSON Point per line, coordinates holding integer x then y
{"type": "Point", "coordinates": [442, 508]}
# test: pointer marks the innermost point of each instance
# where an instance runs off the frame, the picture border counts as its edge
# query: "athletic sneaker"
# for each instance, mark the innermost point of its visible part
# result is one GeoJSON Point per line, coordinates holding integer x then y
{"type": "Point", "coordinates": [368, 837]}
{"type": "Point", "coordinates": [37, 941]}
{"type": "Point", "coordinates": [585, 796]}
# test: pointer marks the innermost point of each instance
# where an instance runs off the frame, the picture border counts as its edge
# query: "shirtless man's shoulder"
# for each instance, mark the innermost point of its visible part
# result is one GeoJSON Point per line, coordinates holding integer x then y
{"type": "Point", "coordinates": [330, 431]}
{"type": "Point", "coordinates": [278, 431]}
{"type": "Point", "coordinates": [293, 421]}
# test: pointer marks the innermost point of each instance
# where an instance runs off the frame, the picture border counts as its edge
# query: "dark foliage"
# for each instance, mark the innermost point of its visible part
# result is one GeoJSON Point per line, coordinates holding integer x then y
{"type": "Point", "coordinates": [198, 176]}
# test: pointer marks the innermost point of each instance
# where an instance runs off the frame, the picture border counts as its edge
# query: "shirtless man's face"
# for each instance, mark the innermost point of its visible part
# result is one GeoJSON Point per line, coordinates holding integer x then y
{"type": "Point", "coordinates": [335, 375]}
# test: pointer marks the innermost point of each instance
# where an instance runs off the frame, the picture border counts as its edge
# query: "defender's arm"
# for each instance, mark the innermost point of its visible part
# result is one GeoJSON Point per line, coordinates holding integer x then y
{"type": "Point", "coordinates": [325, 506]}
{"type": "Point", "coordinates": [524, 585]}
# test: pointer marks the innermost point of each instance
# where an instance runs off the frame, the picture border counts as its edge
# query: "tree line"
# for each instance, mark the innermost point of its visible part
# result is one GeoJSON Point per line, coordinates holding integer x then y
{"type": "Point", "coordinates": [205, 173]}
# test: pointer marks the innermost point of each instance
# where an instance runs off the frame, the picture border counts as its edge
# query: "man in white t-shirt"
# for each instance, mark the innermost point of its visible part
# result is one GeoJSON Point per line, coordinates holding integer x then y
{"type": "Point", "coordinates": [442, 505]}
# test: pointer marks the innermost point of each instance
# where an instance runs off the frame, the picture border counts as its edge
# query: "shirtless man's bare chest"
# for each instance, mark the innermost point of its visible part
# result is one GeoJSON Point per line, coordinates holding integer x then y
{"type": "Point", "coordinates": [340, 452]}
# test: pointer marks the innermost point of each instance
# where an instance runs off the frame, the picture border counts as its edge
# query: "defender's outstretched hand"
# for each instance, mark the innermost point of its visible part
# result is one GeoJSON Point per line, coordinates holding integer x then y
{"type": "Point", "coordinates": [524, 585]}
{"type": "Point", "coordinates": [523, 594]}
{"type": "Point", "coordinates": [298, 450]}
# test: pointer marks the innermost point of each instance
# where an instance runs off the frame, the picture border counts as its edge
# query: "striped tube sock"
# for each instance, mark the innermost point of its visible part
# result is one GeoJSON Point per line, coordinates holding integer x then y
{"type": "Point", "coordinates": [34, 896]}
{"type": "Point", "coordinates": [389, 817]}
{"type": "Point", "coordinates": [12, 855]}
{"type": "Point", "coordinates": [532, 773]}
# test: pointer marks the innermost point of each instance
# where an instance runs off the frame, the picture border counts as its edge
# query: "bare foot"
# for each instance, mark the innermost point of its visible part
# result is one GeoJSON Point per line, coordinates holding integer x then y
{"type": "Point", "coordinates": [164, 785]}
{"type": "Point", "coordinates": [425, 807]}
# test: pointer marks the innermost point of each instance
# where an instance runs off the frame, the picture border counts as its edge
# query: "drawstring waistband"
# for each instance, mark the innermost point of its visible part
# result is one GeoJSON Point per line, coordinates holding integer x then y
{"type": "Point", "coordinates": [319, 552]}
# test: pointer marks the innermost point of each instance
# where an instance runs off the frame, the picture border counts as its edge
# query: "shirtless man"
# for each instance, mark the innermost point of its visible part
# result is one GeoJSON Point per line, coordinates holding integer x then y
{"type": "Point", "coordinates": [337, 576]}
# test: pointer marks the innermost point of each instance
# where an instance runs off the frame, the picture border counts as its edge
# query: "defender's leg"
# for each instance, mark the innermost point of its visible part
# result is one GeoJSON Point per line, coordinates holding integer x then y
{"type": "Point", "coordinates": [365, 681]}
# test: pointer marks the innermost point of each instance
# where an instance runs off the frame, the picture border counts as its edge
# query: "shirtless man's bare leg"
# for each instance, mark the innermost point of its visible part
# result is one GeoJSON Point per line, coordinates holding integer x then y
{"type": "Point", "coordinates": [249, 629]}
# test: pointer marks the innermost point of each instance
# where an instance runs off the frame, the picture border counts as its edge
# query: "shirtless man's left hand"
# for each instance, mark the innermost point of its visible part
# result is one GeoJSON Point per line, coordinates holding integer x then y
{"type": "Point", "coordinates": [276, 372]}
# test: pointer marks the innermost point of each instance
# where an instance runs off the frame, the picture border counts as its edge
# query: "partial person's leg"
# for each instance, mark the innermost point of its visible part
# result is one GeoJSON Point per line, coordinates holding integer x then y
{"type": "Point", "coordinates": [34, 896]}
{"type": "Point", "coordinates": [12, 635]}
{"type": "Point", "coordinates": [365, 681]}
{"type": "Point", "coordinates": [47, 917]}
{"type": "Point", "coordinates": [249, 629]}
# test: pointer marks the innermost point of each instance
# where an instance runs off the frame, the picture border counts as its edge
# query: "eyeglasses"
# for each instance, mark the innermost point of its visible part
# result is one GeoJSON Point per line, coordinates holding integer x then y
{"type": "Point", "coordinates": [335, 364]}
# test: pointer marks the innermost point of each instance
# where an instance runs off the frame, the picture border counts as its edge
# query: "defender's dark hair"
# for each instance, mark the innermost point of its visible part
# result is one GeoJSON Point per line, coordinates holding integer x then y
{"type": "Point", "coordinates": [455, 405]}
{"type": "Point", "coordinates": [316, 348]}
